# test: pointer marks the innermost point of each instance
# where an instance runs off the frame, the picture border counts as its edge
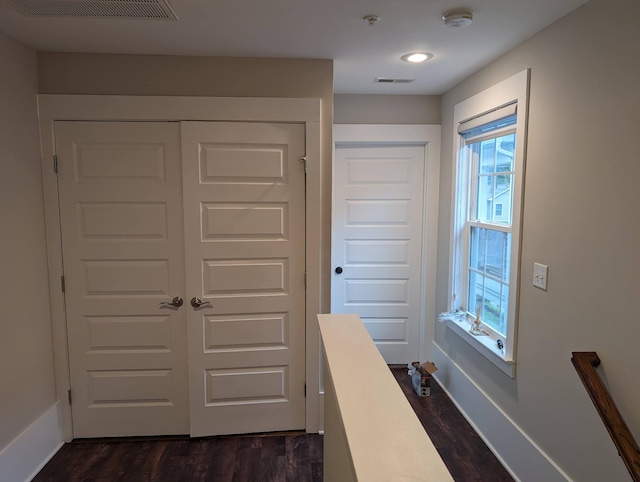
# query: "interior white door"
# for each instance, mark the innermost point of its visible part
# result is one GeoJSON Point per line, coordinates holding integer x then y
{"type": "Point", "coordinates": [121, 220]}
{"type": "Point", "coordinates": [377, 243]}
{"type": "Point", "coordinates": [244, 205]}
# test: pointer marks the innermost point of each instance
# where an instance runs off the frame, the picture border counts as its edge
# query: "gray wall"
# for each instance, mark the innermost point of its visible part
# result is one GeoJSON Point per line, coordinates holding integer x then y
{"type": "Point", "coordinates": [26, 360]}
{"type": "Point", "coordinates": [580, 218]}
{"type": "Point", "coordinates": [386, 109]}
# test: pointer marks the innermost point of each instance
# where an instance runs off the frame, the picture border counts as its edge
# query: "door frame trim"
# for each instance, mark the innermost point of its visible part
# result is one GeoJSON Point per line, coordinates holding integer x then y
{"type": "Point", "coordinates": [53, 108]}
{"type": "Point", "coordinates": [428, 135]}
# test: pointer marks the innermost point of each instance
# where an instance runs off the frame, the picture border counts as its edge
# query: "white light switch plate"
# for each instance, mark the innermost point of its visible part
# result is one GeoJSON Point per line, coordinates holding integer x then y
{"type": "Point", "coordinates": [540, 273]}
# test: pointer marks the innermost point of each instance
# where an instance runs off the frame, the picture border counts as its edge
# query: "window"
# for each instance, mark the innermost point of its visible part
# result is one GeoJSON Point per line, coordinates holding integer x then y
{"type": "Point", "coordinates": [489, 168]}
{"type": "Point", "coordinates": [492, 167]}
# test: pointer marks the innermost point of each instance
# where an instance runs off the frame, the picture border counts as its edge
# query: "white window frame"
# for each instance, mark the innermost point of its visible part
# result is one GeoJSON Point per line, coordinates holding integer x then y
{"type": "Point", "coordinates": [513, 89]}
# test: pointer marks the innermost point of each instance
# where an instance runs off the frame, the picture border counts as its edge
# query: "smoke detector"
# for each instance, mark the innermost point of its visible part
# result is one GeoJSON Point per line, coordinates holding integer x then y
{"type": "Point", "coordinates": [371, 19]}
{"type": "Point", "coordinates": [459, 18]}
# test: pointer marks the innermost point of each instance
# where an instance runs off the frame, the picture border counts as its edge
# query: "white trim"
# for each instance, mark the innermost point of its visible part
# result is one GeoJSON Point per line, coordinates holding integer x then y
{"type": "Point", "coordinates": [136, 108]}
{"type": "Point", "coordinates": [513, 89]}
{"type": "Point", "coordinates": [25, 456]}
{"type": "Point", "coordinates": [407, 134]}
{"type": "Point", "coordinates": [517, 452]}
{"type": "Point", "coordinates": [484, 344]}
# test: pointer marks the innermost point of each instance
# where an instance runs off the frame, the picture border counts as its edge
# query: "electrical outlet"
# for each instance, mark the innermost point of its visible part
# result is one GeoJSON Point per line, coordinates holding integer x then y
{"type": "Point", "coordinates": [540, 273]}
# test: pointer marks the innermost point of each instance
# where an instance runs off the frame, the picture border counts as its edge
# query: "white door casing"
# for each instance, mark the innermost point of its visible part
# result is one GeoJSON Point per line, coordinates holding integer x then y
{"type": "Point", "coordinates": [384, 233]}
{"type": "Point", "coordinates": [54, 107]}
{"type": "Point", "coordinates": [121, 224]}
{"type": "Point", "coordinates": [244, 204]}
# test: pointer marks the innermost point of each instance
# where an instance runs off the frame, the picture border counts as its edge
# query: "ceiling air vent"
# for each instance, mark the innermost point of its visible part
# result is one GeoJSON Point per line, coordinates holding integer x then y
{"type": "Point", "coordinates": [386, 80]}
{"type": "Point", "coordinates": [126, 9]}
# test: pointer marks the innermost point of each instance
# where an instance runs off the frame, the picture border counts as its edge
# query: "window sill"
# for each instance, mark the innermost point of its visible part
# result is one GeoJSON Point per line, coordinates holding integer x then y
{"type": "Point", "coordinates": [485, 344]}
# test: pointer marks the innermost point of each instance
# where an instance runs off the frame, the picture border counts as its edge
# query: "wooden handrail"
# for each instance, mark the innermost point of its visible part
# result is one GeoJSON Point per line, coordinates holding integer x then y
{"type": "Point", "coordinates": [585, 363]}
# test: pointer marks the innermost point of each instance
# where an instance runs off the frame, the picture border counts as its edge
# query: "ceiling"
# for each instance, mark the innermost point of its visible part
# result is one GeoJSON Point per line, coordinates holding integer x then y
{"type": "Point", "coordinates": [321, 29]}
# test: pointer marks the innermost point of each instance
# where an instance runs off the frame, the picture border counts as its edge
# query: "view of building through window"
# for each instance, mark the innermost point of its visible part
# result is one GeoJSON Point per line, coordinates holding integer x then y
{"type": "Point", "coordinates": [490, 243]}
{"type": "Point", "coordinates": [486, 228]}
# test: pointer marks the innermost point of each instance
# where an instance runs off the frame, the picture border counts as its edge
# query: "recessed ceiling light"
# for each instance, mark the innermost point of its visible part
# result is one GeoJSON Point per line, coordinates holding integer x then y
{"type": "Point", "coordinates": [416, 57]}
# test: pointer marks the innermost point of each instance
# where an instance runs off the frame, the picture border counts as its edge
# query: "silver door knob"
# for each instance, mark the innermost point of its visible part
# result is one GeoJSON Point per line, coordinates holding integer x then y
{"type": "Point", "coordinates": [198, 303]}
{"type": "Point", "coordinates": [176, 302]}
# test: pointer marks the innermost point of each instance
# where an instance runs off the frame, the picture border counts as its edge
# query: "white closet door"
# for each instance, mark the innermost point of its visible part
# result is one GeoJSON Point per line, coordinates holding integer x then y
{"type": "Point", "coordinates": [377, 244]}
{"type": "Point", "coordinates": [244, 205]}
{"type": "Point", "coordinates": [120, 207]}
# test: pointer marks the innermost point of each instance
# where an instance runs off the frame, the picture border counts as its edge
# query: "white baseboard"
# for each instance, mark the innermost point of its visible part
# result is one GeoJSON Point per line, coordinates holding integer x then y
{"type": "Point", "coordinates": [520, 455]}
{"type": "Point", "coordinates": [25, 456]}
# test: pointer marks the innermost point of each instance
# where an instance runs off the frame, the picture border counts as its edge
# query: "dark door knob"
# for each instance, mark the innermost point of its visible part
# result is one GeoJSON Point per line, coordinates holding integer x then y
{"type": "Point", "coordinates": [339, 270]}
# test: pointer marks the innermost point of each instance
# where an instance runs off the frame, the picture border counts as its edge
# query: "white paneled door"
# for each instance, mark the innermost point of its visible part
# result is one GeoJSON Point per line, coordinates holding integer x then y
{"type": "Point", "coordinates": [121, 215]}
{"type": "Point", "coordinates": [244, 234]}
{"type": "Point", "coordinates": [377, 243]}
{"type": "Point", "coordinates": [136, 200]}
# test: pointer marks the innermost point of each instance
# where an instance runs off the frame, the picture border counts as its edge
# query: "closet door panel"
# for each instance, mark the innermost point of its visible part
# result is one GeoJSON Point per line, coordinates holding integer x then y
{"type": "Point", "coordinates": [244, 202]}
{"type": "Point", "coordinates": [120, 188]}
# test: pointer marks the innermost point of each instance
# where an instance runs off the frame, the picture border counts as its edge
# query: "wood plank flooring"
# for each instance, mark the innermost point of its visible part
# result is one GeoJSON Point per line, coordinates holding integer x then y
{"type": "Point", "coordinates": [265, 458]}
{"type": "Point", "coordinates": [461, 448]}
{"type": "Point", "coordinates": [295, 457]}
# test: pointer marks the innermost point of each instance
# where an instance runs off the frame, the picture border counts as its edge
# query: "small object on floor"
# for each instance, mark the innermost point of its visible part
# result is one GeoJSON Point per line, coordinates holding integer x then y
{"type": "Point", "coordinates": [421, 377]}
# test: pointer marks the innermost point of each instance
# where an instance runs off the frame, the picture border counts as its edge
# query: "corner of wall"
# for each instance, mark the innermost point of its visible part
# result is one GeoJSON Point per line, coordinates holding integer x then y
{"type": "Point", "coordinates": [25, 456]}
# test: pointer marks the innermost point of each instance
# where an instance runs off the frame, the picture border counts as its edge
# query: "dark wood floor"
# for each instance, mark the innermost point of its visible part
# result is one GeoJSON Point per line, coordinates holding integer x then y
{"type": "Point", "coordinates": [278, 457]}
{"type": "Point", "coordinates": [264, 458]}
{"type": "Point", "coordinates": [464, 453]}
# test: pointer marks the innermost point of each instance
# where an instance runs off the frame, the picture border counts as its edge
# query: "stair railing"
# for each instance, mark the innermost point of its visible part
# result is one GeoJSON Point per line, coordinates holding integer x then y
{"type": "Point", "coordinates": [585, 363]}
